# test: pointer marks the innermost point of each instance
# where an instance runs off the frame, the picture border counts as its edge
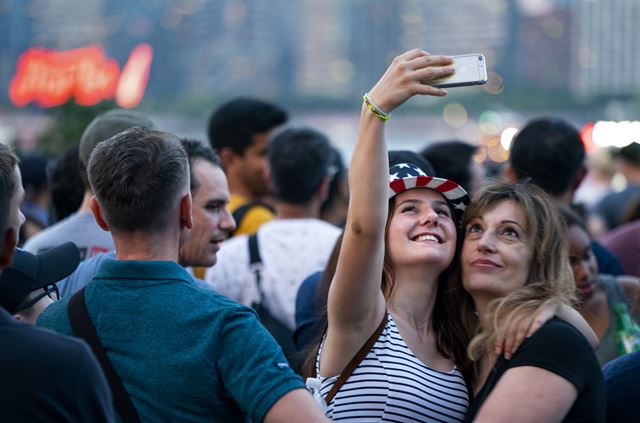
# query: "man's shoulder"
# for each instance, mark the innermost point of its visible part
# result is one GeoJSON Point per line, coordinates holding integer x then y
{"type": "Point", "coordinates": [56, 317]}
{"type": "Point", "coordinates": [27, 339]}
{"type": "Point", "coordinates": [46, 237]}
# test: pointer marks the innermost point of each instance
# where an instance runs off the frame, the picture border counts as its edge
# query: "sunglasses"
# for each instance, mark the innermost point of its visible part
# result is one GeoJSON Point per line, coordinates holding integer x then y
{"type": "Point", "coordinates": [50, 291]}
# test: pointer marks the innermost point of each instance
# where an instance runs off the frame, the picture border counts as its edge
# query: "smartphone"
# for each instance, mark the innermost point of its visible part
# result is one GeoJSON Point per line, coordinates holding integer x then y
{"type": "Point", "coordinates": [471, 69]}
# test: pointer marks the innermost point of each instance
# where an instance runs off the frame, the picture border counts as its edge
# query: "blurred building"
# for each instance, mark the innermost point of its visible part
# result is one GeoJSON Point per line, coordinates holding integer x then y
{"type": "Point", "coordinates": [313, 51]}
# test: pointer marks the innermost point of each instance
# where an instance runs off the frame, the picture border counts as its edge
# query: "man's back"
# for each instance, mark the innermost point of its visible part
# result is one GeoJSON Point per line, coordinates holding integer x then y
{"type": "Point", "coordinates": [291, 250]}
{"type": "Point", "coordinates": [47, 377]}
{"type": "Point", "coordinates": [183, 353]}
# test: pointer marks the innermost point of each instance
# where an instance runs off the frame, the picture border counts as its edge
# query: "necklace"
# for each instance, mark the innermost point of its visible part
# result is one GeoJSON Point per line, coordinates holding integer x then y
{"type": "Point", "coordinates": [418, 323]}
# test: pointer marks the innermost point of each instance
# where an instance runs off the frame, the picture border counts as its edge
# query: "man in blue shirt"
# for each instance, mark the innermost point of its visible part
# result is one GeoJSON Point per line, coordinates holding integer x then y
{"type": "Point", "coordinates": [181, 351]}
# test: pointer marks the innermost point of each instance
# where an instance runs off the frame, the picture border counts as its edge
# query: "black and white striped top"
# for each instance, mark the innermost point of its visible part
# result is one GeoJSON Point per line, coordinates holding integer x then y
{"type": "Point", "coordinates": [392, 385]}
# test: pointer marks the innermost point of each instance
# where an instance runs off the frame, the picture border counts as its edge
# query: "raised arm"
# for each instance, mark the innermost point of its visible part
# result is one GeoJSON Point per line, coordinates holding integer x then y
{"type": "Point", "coordinates": [356, 304]}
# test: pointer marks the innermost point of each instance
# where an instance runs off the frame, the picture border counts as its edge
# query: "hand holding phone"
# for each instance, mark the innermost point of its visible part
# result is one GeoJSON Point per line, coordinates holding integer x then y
{"type": "Point", "coordinates": [470, 69]}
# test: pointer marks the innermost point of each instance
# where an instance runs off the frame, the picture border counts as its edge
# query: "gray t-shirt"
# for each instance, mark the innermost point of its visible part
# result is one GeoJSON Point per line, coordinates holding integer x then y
{"type": "Point", "coordinates": [79, 228]}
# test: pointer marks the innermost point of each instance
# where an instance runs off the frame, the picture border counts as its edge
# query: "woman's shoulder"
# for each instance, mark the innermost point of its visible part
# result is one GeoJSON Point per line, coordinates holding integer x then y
{"type": "Point", "coordinates": [560, 348]}
{"type": "Point", "coordinates": [558, 333]}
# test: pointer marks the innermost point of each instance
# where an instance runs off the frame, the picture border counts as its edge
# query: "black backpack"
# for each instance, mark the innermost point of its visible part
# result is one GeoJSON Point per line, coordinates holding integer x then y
{"type": "Point", "coordinates": [278, 330]}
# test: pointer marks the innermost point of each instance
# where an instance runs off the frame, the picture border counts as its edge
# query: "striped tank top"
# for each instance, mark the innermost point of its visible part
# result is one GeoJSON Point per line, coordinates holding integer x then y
{"type": "Point", "coordinates": [392, 385]}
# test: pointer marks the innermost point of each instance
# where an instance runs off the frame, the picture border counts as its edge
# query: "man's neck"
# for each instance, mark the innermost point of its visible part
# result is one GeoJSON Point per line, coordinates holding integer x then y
{"type": "Point", "coordinates": [84, 206]}
{"type": "Point", "coordinates": [237, 188]}
{"type": "Point", "coordinates": [142, 246]}
{"type": "Point", "coordinates": [297, 211]}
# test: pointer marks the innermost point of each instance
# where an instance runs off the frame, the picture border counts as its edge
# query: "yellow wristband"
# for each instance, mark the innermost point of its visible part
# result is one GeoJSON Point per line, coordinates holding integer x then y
{"type": "Point", "coordinates": [374, 108]}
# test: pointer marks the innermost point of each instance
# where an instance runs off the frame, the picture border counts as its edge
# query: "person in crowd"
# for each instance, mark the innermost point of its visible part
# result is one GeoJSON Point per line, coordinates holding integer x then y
{"type": "Point", "coordinates": [514, 262]}
{"type": "Point", "coordinates": [81, 228]}
{"type": "Point", "coordinates": [613, 207]}
{"type": "Point", "coordinates": [295, 244]}
{"type": "Point", "coordinates": [334, 208]}
{"type": "Point", "coordinates": [182, 352]}
{"type": "Point", "coordinates": [28, 286]}
{"type": "Point", "coordinates": [212, 222]}
{"type": "Point", "coordinates": [602, 298]}
{"type": "Point", "coordinates": [623, 396]}
{"type": "Point", "coordinates": [311, 302]}
{"type": "Point", "coordinates": [595, 186]}
{"type": "Point", "coordinates": [391, 236]}
{"type": "Point", "coordinates": [45, 377]}
{"type": "Point", "coordinates": [387, 306]}
{"type": "Point", "coordinates": [240, 131]}
{"type": "Point", "coordinates": [549, 152]}
{"type": "Point", "coordinates": [623, 242]}
{"type": "Point", "coordinates": [453, 160]}
{"type": "Point", "coordinates": [65, 185]}
{"type": "Point", "coordinates": [35, 207]}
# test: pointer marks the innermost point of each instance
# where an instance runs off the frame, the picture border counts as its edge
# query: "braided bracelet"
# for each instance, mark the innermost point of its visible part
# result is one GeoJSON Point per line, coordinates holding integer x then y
{"type": "Point", "coordinates": [374, 108]}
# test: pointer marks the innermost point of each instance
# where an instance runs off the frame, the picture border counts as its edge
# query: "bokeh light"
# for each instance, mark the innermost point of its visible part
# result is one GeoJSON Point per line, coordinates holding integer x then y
{"type": "Point", "coordinates": [507, 137]}
{"type": "Point", "coordinates": [455, 115]}
{"type": "Point", "coordinates": [495, 83]}
{"type": "Point", "coordinates": [490, 123]}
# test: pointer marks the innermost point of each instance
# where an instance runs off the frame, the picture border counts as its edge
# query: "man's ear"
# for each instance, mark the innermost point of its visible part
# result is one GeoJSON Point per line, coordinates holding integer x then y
{"type": "Point", "coordinates": [582, 173]}
{"type": "Point", "coordinates": [323, 189]}
{"type": "Point", "coordinates": [8, 248]}
{"type": "Point", "coordinates": [227, 156]}
{"type": "Point", "coordinates": [186, 218]}
{"type": "Point", "coordinates": [510, 174]}
{"type": "Point", "coordinates": [97, 213]}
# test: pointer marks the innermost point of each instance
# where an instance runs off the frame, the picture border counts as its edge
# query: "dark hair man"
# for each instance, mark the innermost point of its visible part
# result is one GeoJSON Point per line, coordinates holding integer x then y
{"type": "Point", "coordinates": [240, 131]}
{"type": "Point", "coordinates": [182, 352]}
{"type": "Point", "coordinates": [81, 228]}
{"type": "Point", "coordinates": [294, 245]}
{"type": "Point", "coordinates": [45, 377]}
{"type": "Point", "coordinates": [453, 160]}
{"type": "Point", "coordinates": [613, 207]}
{"type": "Point", "coordinates": [549, 152]}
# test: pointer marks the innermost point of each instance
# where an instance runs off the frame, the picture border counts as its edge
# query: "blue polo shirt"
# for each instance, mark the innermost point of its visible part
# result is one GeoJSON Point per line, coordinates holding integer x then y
{"type": "Point", "coordinates": [184, 353]}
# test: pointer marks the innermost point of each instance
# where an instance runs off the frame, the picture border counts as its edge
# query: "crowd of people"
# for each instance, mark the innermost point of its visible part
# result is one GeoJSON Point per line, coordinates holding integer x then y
{"type": "Point", "coordinates": [252, 277]}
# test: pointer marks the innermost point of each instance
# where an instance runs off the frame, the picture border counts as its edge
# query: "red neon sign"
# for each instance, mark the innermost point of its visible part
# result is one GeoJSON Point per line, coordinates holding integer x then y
{"type": "Point", "coordinates": [50, 78]}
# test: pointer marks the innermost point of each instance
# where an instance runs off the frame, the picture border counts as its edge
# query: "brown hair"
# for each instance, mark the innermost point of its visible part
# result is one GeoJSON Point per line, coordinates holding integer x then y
{"type": "Point", "coordinates": [8, 163]}
{"type": "Point", "coordinates": [136, 174]}
{"type": "Point", "coordinates": [550, 278]}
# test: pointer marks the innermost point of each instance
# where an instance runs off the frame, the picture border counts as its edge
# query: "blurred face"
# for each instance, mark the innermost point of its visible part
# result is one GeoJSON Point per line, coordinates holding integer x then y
{"type": "Point", "coordinates": [496, 253]}
{"type": "Point", "coordinates": [421, 229]}
{"type": "Point", "coordinates": [212, 223]}
{"type": "Point", "coordinates": [253, 166]}
{"type": "Point", "coordinates": [583, 262]}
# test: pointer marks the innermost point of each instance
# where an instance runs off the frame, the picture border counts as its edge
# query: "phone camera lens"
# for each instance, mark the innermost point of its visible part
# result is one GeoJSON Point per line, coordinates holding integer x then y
{"type": "Point", "coordinates": [479, 59]}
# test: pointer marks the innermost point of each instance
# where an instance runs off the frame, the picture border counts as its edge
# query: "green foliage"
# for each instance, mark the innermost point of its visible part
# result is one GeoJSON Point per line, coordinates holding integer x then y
{"type": "Point", "coordinates": [68, 123]}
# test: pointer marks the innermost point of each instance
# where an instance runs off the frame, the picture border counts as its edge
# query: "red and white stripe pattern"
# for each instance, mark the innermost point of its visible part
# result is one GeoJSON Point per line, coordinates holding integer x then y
{"type": "Point", "coordinates": [404, 176]}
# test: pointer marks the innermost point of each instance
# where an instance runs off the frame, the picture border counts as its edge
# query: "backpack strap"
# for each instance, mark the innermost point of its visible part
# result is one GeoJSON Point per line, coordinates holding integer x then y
{"type": "Point", "coordinates": [255, 262]}
{"type": "Point", "coordinates": [84, 328]}
{"type": "Point", "coordinates": [240, 213]}
{"type": "Point", "coordinates": [280, 332]}
{"type": "Point", "coordinates": [356, 360]}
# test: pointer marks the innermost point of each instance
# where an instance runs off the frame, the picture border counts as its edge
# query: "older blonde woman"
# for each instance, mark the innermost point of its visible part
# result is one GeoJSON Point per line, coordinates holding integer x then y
{"type": "Point", "coordinates": [514, 262]}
